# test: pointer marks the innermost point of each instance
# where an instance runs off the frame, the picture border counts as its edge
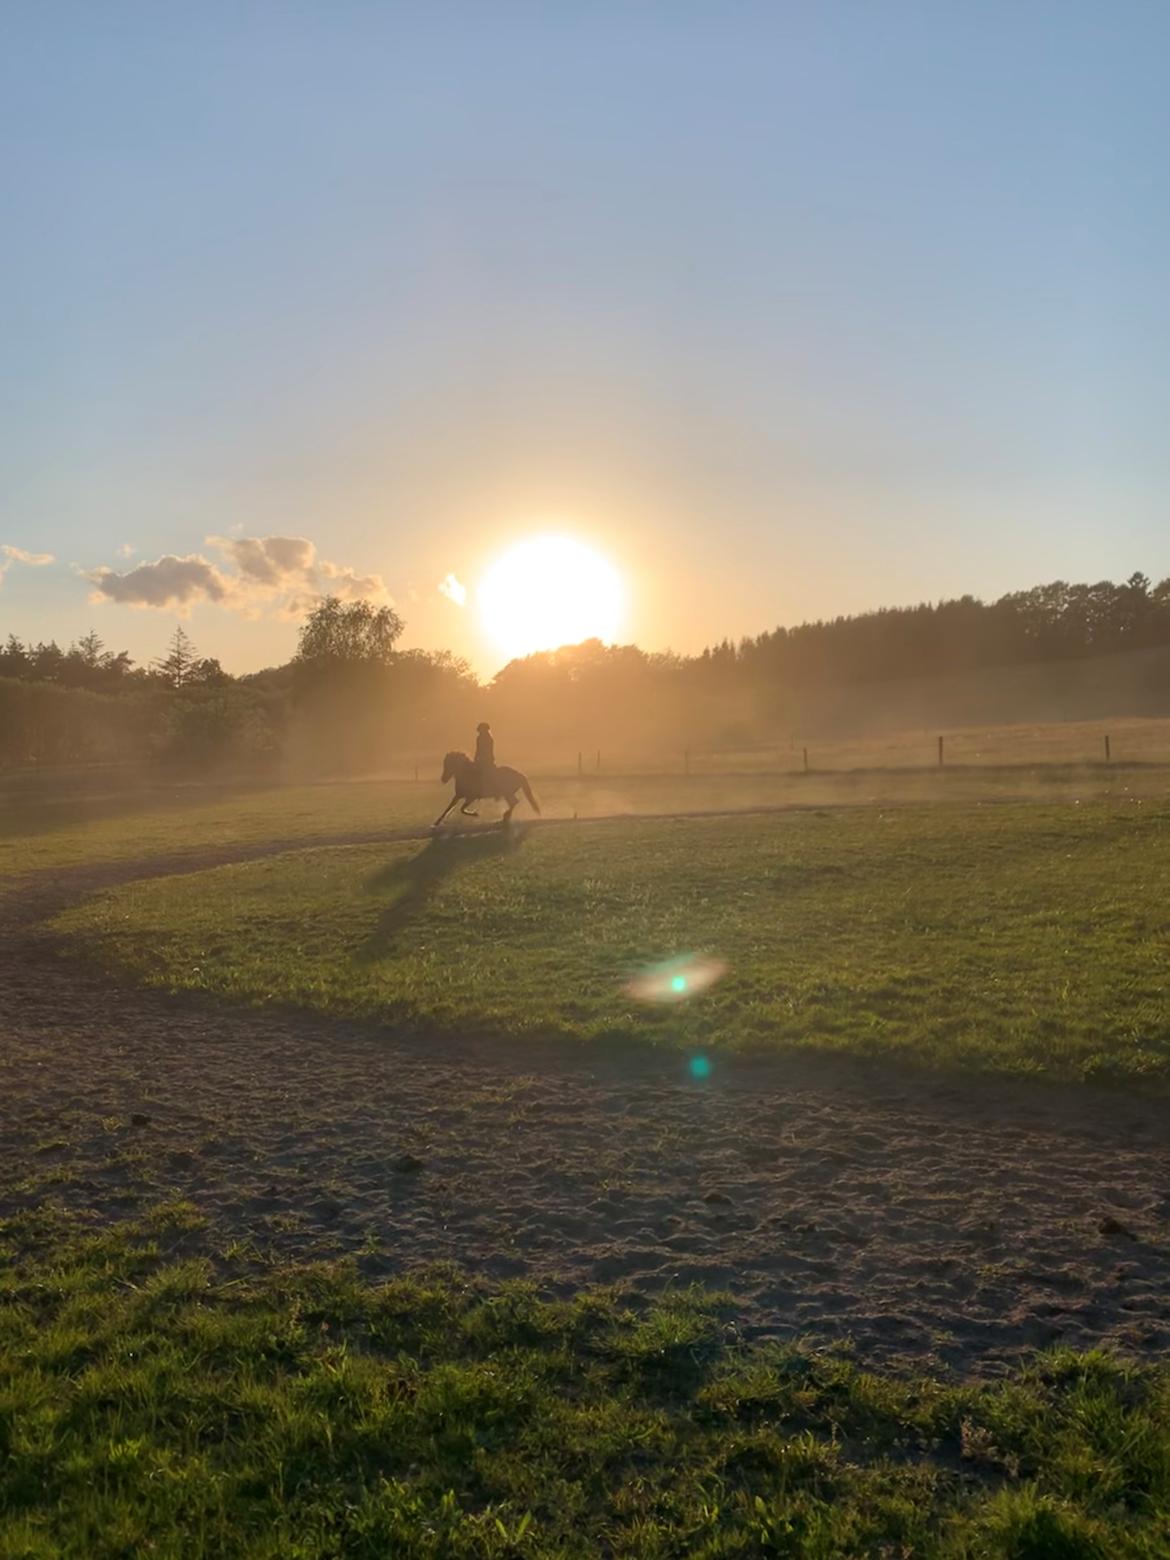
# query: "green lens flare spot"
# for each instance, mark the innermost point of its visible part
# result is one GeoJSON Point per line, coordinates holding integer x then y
{"type": "Point", "coordinates": [678, 983]}
{"type": "Point", "coordinates": [700, 1067]}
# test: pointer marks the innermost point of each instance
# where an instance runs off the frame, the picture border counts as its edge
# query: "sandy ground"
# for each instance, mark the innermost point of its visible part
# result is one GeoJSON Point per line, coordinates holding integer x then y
{"type": "Point", "coordinates": [932, 1221]}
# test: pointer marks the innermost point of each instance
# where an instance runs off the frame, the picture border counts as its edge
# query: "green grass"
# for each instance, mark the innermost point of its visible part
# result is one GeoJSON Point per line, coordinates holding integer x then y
{"type": "Point", "coordinates": [42, 834]}
{"type": "Point", "coordinates": [78, 830]}
{"type": "Point", "coordinates": [1029, 939]}
{"type": "Point", "coordinates": [152, 1404]}
{"type": "Point", "coordinates": [44, 827]}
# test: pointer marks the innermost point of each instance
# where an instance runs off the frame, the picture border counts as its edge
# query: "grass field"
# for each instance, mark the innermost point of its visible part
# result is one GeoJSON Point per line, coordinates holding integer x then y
{"type": "Point", "coordinates": [1058, 743]}
{"type": "Point", "coordinates": [1024, 938]}
{"type": "Point", "coordinates": [46, 826]}
{"type": "Point", "coordinates": [156, 1404]}
{"type": "Point", "coordinates": [167, 1390]}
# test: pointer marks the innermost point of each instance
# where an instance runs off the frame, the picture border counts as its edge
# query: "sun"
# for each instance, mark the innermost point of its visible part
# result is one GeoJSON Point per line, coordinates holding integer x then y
{"type": "Point", "coordinates": [549, 591]}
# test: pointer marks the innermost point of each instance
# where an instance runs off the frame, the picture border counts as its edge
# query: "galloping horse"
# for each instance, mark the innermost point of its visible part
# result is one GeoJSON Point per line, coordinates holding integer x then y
{"type": "Point", "coordinates": [506, 784]}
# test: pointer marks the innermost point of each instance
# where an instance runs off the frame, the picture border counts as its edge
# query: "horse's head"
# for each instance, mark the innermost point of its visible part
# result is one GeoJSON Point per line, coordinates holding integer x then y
{"type": "Point", "coordinates": [452, 763]}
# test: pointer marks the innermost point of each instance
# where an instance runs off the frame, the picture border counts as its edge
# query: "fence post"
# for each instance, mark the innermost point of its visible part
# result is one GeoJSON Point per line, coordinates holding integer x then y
{"type": "Point", "coordinates": [940, 752]}
{"type": "Point", "coordinates": [806, 761]}
{"type": "Point", "coordinates": [416, 774]}
{"type": "Point", "coordinates": [580, 765]}
{"type": "Point", "coordinates": [1108, 755]}
{"type": "Point", "coordinates": [686, 761]}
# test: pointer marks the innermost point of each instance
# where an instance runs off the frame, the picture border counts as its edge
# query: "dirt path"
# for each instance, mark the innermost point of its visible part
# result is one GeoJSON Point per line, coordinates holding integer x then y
{"type": "Point", "coordinates": [931, 1220]}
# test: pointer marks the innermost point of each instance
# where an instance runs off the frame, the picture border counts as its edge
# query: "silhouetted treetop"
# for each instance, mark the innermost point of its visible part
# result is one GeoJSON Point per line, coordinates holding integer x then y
{"type": "Point", "coordinates": [349, 632]}
{"type": "Point", "coordinates": [1048, 622]}
{"type": "Point", "coordinates": [175, 667]}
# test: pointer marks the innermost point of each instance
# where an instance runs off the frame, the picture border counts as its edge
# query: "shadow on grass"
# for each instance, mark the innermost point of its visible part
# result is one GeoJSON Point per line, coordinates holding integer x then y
{"type": "Point", "coordinates": [418, 878]}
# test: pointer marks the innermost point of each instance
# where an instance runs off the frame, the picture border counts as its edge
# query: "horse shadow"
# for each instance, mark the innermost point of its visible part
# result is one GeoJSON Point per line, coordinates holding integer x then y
{"type": "Point", "coordinates": [420, 875]}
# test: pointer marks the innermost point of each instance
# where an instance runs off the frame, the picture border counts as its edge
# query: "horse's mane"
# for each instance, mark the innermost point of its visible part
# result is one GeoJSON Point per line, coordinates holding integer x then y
{"type": "Point", "coordinates": [456, 753]}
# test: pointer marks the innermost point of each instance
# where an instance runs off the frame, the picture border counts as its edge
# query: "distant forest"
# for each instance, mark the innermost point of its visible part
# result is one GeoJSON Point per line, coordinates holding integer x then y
{"type": "Point", "coordinates": [350, 700]}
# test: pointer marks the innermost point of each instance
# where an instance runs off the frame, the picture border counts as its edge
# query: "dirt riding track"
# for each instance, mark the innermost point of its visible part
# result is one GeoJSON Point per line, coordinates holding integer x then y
{"type": "Point", "coordinates": [933, 1221]}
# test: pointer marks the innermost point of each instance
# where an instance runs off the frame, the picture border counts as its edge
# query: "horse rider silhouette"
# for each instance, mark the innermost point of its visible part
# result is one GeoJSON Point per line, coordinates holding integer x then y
{"type": "Point", "coordinates": [480, 777]}
{"type": "Point", "coordinates": [485, 757]}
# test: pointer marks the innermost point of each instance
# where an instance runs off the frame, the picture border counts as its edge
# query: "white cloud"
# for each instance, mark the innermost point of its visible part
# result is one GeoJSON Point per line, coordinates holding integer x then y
{"type": "Point", "coordinates": [281, 574]}
{"type": "Point", "coordinates": [126, 551]}
{"type": "Point", "coordinates": [352, 586]}
{"type": "Point", "coordinates": [454, 590]}
{"type": "Point", "coordinates": [10, 555]}
{"type": "Point", "coordinates": [19, 555]}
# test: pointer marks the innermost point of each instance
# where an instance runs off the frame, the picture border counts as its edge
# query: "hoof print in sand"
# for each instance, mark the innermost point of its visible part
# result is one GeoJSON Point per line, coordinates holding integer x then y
{"type": "Point", "coordinates": [1111, 1226]}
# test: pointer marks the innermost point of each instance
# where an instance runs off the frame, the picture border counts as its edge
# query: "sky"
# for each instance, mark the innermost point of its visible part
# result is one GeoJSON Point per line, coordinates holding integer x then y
{"type": "Point", "coordinates": [787, 310]}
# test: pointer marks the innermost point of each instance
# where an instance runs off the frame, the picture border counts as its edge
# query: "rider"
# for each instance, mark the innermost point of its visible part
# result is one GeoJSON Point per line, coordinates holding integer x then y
{"type": "Point", "coordinates": [485, 755]}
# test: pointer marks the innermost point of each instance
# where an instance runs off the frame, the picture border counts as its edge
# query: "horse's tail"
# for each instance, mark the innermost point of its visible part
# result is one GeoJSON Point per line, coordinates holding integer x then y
{"type": "Point", "coordinates": [527, 789]}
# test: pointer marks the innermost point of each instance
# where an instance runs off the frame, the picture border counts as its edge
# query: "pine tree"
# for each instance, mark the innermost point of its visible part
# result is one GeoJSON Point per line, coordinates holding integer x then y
{"type": "Point", "coordinates": [90, 648]}
{"type": "Point", "coordinates": [14, 659]}
{"type": "Point", "coordinates": [176, 666]}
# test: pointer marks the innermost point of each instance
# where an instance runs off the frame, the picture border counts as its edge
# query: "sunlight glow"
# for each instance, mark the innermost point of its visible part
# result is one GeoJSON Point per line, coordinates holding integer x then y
{"type": "Point", "coordinates": [549, 591]}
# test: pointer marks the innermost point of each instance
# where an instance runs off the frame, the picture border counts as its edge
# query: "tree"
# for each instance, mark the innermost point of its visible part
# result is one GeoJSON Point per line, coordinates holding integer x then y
{"type": "Point", "coordinates": [90, 649]}
{"type": "Point", "coordinates": [88, 664]}
{"type": "Point", "coordinates": [47, 661]}
{"type": "Point", "coordinates": [14, 660]}
{"type": "Point", "coordinates": [348, 633]}
{"type": "Point", "coordinates": [176, 666]}
{"type": "Point", "coordinates": [206, 673]}
{"type": "Point", "coordinates": [345, 667]}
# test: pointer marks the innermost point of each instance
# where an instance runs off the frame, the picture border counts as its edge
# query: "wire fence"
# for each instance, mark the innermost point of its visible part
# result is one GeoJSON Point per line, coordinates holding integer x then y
{"type": "Point", "coordinates": [1084, 744]}
{"type": "Point", "coordinates": [1069, 745]}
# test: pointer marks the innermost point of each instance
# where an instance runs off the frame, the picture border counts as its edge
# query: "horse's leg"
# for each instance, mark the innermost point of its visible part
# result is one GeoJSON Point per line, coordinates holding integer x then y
{"type": "Point", "coordinates": [444, 813]}
{"type": "Point", "coordinates": [511, 801]}
{"type": "Point", "coordinates": [466, 811]}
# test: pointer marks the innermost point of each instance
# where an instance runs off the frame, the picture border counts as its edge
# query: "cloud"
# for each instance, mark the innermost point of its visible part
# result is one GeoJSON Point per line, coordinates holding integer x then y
{"type": "Point", "coordinates": [268, 560]}
{"type": "Point", "coordinates": [454, 590]}
{"type": "Point", "coordinates": [126, 551]}
{"type": "Point", "coordinates": [352, 586]}
{"type": "Point", "coordinates": [19, 555]}
{"type": "Point", "coordinates": [10, 555]}
{"type": "Point", "coordinates": [281, 574]}
{"type": "Point", "coordinates": [168, 582]}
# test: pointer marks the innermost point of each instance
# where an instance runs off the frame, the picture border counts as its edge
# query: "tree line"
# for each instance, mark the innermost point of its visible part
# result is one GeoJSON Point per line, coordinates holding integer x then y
{"type": "Point", "coordinates": [350, 700]}
{"type": "Point", "coordinates": [1047, 623]}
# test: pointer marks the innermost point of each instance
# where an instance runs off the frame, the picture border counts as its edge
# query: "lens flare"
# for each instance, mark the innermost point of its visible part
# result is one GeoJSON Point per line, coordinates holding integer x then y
{"type": "Point", "coordinates": [700, 1067]}
{"type": "Point", "coordinates": [677, 979]}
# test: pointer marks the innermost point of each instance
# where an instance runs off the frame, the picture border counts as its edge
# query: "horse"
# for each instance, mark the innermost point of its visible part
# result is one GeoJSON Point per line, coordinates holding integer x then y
{"type": "Point", "coordinates": [506, 785]}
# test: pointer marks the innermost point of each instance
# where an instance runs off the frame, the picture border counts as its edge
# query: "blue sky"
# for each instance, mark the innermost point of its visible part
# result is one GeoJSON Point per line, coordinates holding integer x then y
{"type": "Point", "coordinates": [790, 309]}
